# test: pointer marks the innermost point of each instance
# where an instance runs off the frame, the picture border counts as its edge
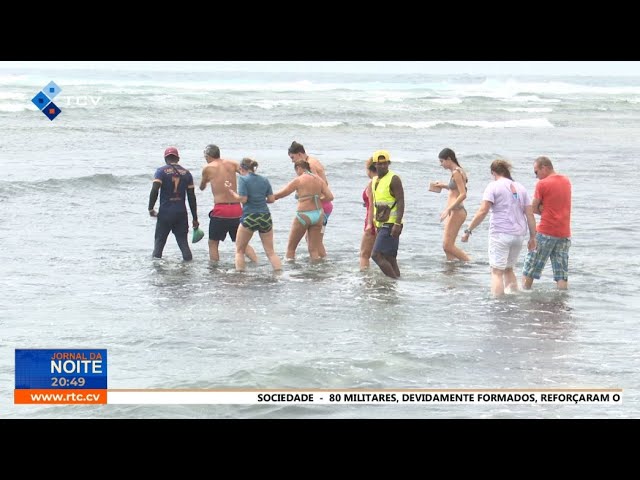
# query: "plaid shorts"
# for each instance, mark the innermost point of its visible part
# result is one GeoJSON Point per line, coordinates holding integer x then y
{"type": "Point", "coordinates": [548, 246]}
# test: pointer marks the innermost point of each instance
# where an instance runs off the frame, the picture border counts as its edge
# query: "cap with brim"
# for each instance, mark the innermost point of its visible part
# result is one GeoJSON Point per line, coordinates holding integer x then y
{"type": "Point", "coordinates": [197, 235]}
{"type": "Point", "coordinates": [386, 157]}
{"type": "Point", "coordinates": [171, 151]}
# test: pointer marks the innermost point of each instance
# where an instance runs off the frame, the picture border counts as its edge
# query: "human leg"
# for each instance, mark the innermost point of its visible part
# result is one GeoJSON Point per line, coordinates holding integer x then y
{"type": "Point", "coordinates": [515, 247]}
{"type": "Point", "coordinates": [499, 251]}
{"type": "Point", "coordinates": [510, 280]}
{"type": "Point", "coordinates": [180, 230]}
{"type": "Point", "coordinates": [535, 261]}
{"type": "Point", "coordinates": [242, 241]}
{"type": "Point", "coordinates": [267, 244]}
{"type": "Point", "coordinates": [393, 261]}
{"type": "Point", "coordinates": [366, 246]}
{"type": "Point", "coordinates": [232, 225]}
{"type": "Point", "coordinates": [497, 282]}
{"type": "Point", "coordinates": [217, 232]}
{"type": "Point", "coordinates": [560, 262]}
{"type": "Point", "coordinates": [163, 228]}
{"type": "Point", "coordinates": [295, 235]}
{"type": "Point", "coordinates": [451, 229]}
{"type": "Point", "coordinates": [385, 248]}
{"type": "Point", "coordinates": [314, 233]}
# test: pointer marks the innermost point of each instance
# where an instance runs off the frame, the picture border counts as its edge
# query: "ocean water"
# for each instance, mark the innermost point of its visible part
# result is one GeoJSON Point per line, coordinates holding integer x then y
{"type": "Point", "coordinates": [76, 262]}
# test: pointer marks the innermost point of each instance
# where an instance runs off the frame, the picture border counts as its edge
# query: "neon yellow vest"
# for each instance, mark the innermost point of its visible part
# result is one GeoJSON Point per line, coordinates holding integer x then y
{"type": "Point", "coordinates": [382, 194]}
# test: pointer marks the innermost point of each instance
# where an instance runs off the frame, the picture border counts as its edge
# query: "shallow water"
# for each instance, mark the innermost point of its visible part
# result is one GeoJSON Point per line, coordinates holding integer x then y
{"type": "Point", "coordinates": [77, 240]}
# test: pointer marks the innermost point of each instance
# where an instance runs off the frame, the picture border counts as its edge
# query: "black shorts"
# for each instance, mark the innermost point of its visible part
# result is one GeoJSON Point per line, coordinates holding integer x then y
{"type": "Point", "coordinates": [219, 227]}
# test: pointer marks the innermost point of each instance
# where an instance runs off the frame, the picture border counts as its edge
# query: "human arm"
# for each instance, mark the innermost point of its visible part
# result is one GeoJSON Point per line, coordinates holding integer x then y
{"type": "Point", "coordinates": [397, 190]}
{"type": "Point", "coordinates": [458, 178]}
{"type": "Point", "coordinates": [480, 215]}
{"type": "Point", "coordinates": [193, 205]}
{"type": "Point", "coordinates": [536, 206]}
{"type": "Point", "coordinates": [242, 195]}
{"type": "Point", "coordinates": [326, 194]}
{"type": "Point", "coordinates": [205, 178]}
{"type": "Point", "coordinates": [531, 222]}
{"type": "Point", "coordinates": [153, 196]}
{"type": "Point", "coordinates": [538, 198]}
{"type": "Point", "coordinates": [286, 190]}
{"type": "Point", "coordinates": [318, 169]}
{"type": "Point", "coordinates": [369, 220]}
{"type": "Point", "coordinates": [269, 194]}
{"type": "Point", "coordinates": [240, 198]}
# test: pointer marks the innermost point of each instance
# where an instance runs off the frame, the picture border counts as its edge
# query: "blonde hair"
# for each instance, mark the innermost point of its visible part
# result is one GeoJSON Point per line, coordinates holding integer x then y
{"type": "Point", "coordinates": [369, 163]}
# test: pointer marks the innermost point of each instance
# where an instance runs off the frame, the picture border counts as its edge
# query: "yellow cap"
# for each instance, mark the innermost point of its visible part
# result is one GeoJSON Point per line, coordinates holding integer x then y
{"type": "Point", "coordinates": [386, 157]}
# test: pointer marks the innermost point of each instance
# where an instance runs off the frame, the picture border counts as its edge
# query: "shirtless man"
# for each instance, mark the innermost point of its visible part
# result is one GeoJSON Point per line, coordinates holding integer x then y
{"type": "Point", "coordinates": [226, 213]}
{"type": "Point", "coordinates": [296, 152]}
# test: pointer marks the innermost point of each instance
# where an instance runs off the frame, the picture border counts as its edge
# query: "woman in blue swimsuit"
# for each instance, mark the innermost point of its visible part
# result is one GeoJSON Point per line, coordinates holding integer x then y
{"type": "Point", "coordinates": [309, 215]}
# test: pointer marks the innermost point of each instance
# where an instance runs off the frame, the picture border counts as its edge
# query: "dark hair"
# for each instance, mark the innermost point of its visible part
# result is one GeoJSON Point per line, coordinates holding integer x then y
{"type": "Point", "coordinates": [212, 151]}
{"type": "Point", "coordinates": [448, 153]}
{"type": "Point", "coordinates": [296, 148]}
{"type": "Point", "coordinates": [249, 164]}
{"type": "Point", "coordinates": [302, 163]}
{"type": "Point", "coordinates": [502, 168]}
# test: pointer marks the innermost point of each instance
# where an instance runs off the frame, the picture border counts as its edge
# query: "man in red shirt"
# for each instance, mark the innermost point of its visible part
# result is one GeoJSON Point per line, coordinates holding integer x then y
{"type": "Point", "coordinates": [552, 201]}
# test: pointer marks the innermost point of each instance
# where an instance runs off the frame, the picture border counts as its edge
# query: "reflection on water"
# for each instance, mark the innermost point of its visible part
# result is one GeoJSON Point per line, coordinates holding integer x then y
{"type": "Point", "coordinates": [169, 273]}
{"type": "Point", "coordinates": [533, 314]}
{"type": "Point", "coordinates": [529, 340]}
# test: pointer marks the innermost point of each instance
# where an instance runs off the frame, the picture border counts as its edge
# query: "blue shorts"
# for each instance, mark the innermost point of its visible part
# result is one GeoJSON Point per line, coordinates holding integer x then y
{"type": "Point", "coordinates": [555, 247]}
{"type": "Point", "coordinates": [385, 243]}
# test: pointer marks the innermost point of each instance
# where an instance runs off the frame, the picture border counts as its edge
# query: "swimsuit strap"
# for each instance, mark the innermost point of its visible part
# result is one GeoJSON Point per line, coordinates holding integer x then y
{"type": "Point", "coordinates": [314, 196]}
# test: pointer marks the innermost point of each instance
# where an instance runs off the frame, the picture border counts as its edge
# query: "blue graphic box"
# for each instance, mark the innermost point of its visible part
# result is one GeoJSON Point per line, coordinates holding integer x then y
{"type": "Point", "coordinates": [61, 368]}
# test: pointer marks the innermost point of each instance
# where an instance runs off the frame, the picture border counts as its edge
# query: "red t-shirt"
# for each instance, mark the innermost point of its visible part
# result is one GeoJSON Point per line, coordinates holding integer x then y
{"type": "Point", "coordinates": [554, 193]}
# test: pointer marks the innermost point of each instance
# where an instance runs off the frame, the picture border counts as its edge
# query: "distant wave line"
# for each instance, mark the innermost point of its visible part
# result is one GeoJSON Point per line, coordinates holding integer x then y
{"type": "Point", "coordinates": [531, 123]}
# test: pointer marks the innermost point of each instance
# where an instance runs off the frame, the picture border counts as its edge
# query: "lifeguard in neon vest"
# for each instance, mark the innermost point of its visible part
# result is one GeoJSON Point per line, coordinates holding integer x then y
{"type": "Point", "coordinates": [388, 210]}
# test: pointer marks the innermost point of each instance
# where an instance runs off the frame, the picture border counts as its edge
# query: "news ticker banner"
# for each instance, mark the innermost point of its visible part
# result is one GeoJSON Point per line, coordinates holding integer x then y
{"type": "Point", "coordinates": [79, 376]}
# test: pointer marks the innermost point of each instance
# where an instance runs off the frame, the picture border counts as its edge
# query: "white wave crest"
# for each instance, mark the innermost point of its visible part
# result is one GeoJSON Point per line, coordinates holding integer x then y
{"type": "Point", "coordinates": [522, 123]}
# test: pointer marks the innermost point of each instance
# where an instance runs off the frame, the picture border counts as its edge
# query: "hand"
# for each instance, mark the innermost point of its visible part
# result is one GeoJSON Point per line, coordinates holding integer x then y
{"type": "Point", "coordinates": [153, 213]}
{"type": "Point", "coordinates": [465, 237]}
{"type": "Point", "coordinates": [195, 224]}
{"type": "Point", "coordinates": [445, 213]}
{"type": "Point", "coordinates": [396, 230]}
{"type": "Point", "coordinates": [532, 244]}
